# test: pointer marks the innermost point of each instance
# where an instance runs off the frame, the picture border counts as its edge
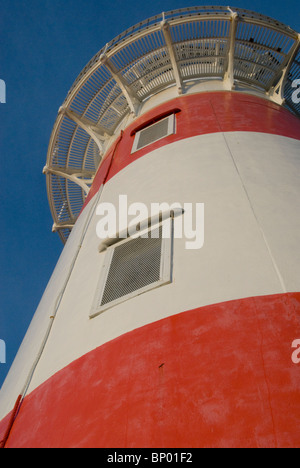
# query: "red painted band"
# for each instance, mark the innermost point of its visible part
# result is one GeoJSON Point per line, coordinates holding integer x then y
{"type": "Point", "coordinates": [202, 114]}
{"type": "Point", "coordinates": [9, 423]}
{"type": "Point", "coordinates": [217, 376]}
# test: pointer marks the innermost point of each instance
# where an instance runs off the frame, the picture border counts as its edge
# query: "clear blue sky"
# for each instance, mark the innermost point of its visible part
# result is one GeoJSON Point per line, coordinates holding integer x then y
{"type": "Point", "coordinates": [44, 46]}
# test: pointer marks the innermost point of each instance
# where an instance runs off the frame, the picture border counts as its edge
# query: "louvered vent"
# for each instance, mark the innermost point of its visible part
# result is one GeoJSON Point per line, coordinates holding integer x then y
{"type": "Point", "coordinates": [132, 267]}
{"type": "Point", "coordinates": [154, 132]}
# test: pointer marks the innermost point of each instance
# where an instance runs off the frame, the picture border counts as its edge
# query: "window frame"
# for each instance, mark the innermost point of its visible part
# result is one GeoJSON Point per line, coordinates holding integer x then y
{"type": "Point", "coordinates": [166, 267]}
{"type": "Point", "coordinates": [171, 130]}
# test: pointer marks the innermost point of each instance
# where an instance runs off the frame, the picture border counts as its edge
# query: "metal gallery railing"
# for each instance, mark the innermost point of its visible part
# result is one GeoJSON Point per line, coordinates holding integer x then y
{"type": "Point", "coordinates": [202, 43]}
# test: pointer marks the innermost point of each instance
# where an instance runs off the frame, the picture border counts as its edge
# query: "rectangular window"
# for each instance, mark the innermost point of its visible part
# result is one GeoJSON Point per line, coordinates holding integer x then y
{"type": "Point", "coordinates": [154, 132]}
{"type": "Point", "coordinates": [134, 266]}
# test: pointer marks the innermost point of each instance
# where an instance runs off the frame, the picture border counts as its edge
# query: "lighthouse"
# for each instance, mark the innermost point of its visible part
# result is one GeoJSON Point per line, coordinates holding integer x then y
{"type": "Point", "coordinates": [172, 318]}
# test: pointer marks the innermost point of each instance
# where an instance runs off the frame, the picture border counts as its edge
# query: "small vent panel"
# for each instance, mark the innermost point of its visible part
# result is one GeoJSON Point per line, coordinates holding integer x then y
{"type": "Point", "coordinates": [154, 132]}
{"type": "Point", "coordinates": [134, 265]}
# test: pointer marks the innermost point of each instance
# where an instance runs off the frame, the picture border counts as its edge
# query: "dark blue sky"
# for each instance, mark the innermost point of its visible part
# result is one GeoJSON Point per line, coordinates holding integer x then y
{"type": "Point", "coordinates": [44, 46]}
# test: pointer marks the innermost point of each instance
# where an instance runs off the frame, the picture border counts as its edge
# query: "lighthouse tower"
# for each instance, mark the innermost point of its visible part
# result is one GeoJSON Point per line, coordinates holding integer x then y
{"type": "Point", "coordinates": [180, 141]}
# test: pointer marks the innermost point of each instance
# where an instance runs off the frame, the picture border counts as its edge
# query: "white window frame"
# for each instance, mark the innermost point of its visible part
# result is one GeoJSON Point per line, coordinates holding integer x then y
{"type": "Point", "coordinates": [165, 268]}
{"type": "Point", "coordinates": [171, 130]}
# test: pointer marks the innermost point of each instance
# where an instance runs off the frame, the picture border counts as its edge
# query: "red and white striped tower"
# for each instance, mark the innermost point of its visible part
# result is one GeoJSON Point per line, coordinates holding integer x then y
{"type": "Point", "coordinates": [146, 343]}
